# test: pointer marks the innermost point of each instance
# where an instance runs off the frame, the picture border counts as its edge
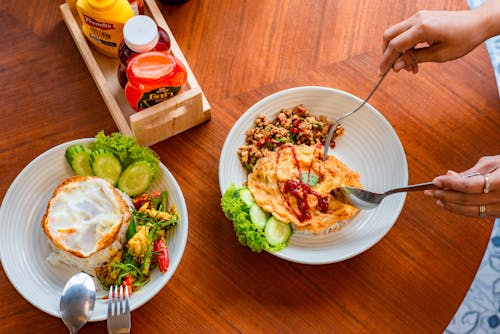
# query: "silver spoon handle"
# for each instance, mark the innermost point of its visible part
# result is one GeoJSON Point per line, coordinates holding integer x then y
{"type": "Point", "coordinates": [414, 187]}
{"type": "Point", "coordinates": [420, 186]}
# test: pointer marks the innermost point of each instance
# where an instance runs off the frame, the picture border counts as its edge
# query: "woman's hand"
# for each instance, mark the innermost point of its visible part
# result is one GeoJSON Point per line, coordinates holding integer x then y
{"type": "Point", "coordinates": [474, 196]}
{"type": "Point", "coordinates": [431, 36]}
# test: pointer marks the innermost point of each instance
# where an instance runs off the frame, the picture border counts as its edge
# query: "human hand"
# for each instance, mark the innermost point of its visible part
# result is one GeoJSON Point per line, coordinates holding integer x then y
{"type": "Point", "coordinates": [474, 196]}
{"type": "Point", "coordinates": [430, 36]}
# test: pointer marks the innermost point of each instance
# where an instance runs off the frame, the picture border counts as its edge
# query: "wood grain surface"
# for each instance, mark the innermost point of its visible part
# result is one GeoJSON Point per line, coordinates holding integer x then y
{"type": "Point", "coordinates": [446, 116]}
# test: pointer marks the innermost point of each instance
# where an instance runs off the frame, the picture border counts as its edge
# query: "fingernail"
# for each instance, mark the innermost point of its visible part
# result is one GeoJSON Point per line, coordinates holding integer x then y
{"type": "Point", "coordinates": [400, 64]}
{"type": "Point", "coordinates": [438, 202]}
{"type": "Point", "coordinates": [428, 193]}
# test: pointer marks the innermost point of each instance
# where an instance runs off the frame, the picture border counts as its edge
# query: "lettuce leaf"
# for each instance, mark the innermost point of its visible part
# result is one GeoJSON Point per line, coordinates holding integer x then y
{"type": "Point", "coordinates": [248, 233]}
{"type": "Point", "coordinates": [127, 150]}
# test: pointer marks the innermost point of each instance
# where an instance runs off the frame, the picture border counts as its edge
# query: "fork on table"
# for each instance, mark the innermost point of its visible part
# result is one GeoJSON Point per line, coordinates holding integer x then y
{"type": "Point", "coordinates": [118, 310]}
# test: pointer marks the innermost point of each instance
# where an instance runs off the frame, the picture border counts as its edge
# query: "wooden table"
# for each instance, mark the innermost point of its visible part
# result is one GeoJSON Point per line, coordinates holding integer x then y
{"type": "Point", "coordinates": [446, 117]}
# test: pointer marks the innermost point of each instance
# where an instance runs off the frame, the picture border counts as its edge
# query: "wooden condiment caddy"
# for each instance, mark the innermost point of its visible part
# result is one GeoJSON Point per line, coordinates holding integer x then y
{"type": "Point", "coordinates": [156, 123]}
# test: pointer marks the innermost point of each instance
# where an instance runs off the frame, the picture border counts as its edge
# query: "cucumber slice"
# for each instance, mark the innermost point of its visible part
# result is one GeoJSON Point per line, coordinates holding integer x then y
{"type": "Point", "coordinates": [246, 196]}
{"type": "Point", "coordinates": [277, 232]}
{"type": "Point", "coordinates": [106, 165]}
{"type": "Point", "coordinates": [258, 216]}
{"type": "Point", "coordinates": [78, 157]}
{"type": "Point", "coordinates": [136, 179]}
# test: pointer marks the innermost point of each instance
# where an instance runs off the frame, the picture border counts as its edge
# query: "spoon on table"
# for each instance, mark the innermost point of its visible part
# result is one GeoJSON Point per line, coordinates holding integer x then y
{"type": "Point", "coordinates": [366, 200]}
{"type": "Point", "coordinates": [77, 301]}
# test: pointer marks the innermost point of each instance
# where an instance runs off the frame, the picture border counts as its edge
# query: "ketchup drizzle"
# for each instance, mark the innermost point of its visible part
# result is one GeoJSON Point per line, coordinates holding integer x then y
{"type": "Point", "coordinates": [299, 189]}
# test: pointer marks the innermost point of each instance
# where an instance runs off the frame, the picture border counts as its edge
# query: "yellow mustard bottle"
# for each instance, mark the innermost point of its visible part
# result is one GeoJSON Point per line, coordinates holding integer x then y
{"type": "Point", "coordinates": [103, 21]}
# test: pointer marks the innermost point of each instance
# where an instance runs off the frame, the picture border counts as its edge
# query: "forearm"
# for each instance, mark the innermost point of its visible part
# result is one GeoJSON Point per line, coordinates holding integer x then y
{"type": "Point", "coordinates": [488, 15]}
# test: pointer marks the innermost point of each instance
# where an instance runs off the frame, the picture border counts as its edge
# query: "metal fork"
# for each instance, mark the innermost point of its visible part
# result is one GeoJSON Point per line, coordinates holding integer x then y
{"type": "Point", "coordinates": [334, 125]}
{"type": "Point", "coordinates": [118, 310]}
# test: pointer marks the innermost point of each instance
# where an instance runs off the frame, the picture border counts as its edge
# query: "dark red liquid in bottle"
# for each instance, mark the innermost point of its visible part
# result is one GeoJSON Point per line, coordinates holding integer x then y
{"type": "Point", "coordinates": [126, 53]}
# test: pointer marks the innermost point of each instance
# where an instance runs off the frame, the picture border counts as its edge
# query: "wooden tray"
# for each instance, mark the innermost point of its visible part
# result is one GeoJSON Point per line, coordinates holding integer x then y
{"type": "Point", "coordinates": [155, 123]}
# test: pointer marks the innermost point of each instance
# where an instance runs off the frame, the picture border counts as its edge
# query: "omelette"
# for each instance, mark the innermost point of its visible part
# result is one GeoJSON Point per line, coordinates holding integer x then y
{"type": "Point", "coordinates": [294, 184]}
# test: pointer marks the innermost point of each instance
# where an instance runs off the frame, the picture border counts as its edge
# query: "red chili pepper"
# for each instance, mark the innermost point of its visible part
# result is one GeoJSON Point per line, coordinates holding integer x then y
{"type": "Point", "coordinates": [156, 194]}
{"type": "Point", "coordinates": [138, 201]}
{"type": "Point", "coordinates": [127, 282]}
{"type": "Point", "coordinates": [161, 251]}
{"type": "Point", "coordinates": [294, 131]}
{"type": "Point", "coordinates": [300, 111]}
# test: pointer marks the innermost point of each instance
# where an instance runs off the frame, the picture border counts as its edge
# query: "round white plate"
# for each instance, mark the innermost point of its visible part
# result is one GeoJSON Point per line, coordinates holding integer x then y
{"type": "Point", "coordinates": [369, 146]}
{"type": "Point", "coordinates": [24, 247]}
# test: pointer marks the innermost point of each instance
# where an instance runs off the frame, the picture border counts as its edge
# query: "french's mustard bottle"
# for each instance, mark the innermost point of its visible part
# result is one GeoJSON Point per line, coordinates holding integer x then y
{"type": "Point", "coordinates": [103, 21]}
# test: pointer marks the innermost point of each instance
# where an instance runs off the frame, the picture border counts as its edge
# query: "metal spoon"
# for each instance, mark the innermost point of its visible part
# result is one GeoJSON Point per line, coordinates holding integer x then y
{"type": "Point", "coordinates": [366, 200]}
{"type": "Point", "coordinates": [77, 301]}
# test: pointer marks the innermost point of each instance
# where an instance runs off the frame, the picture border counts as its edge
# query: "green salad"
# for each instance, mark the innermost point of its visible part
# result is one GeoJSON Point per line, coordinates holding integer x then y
{"type": "Point", "coordinates": [253, 226]}
{"type": "Point", "coordinates": [117, 158]}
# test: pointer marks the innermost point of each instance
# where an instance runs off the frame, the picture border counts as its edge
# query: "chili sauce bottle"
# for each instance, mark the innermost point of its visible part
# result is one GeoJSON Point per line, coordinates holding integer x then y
{"type": "Point", "coordinates": [103, 21]}
{"type": "Point", "coordinates": [140, 34]}
{"type": "Point", "coordinates": [153, 77]}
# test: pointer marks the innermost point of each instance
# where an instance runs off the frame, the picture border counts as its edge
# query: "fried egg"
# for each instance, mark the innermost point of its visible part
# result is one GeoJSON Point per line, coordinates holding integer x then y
{"type": "Point", "coordinates": [294, 185]}
{"type": "Point", "coordinates": [86, 218]}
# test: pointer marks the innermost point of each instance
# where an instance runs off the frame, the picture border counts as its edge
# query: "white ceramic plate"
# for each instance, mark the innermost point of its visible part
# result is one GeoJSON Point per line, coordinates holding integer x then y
{"type": "Point", "coordinates": [369, 146]}
{"type": "Point", "coordinates": [24, 247]}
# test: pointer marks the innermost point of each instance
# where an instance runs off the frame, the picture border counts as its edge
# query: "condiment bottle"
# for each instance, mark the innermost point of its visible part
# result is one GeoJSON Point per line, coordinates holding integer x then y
{"type": "Point", "coordinates": [140, 34]}
{"type": "Point", "coordinates": [137, 6]}
{"type": "Point", "coordinates": [153, 77]}
{"type": "Point", "coordinates": [103, 21]}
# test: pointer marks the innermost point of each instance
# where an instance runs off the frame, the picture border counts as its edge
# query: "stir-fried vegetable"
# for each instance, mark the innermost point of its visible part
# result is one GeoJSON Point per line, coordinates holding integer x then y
{"type": "Point", "coordinates": [145, 246]}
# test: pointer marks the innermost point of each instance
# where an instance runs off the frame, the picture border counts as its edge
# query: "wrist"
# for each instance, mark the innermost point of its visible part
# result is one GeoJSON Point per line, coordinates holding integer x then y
{"type": "Point", "coordinates": [488, 15]}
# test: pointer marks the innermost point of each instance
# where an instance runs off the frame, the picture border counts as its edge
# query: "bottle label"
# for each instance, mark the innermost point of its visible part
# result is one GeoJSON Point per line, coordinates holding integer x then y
{"type": "Point", "coordinates": [96, 24]}
{"type": "Point", "coordinates": [155, 96]}
{"type": "Point", "coordinates": [100, 32]}
{"type": "Point", "coordinates": [104, 29]}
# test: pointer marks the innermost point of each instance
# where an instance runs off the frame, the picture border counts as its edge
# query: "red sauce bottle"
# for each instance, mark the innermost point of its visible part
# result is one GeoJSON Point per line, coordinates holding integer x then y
{"type": "Point", "coordinates": [153, 77]}
{"type": "Point", "coordinates": [140, 34]}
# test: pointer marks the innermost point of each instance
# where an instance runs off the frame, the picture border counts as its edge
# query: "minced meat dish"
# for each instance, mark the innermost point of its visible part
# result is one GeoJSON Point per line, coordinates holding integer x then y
{"type": "Point", "coordinates": [296, 126]}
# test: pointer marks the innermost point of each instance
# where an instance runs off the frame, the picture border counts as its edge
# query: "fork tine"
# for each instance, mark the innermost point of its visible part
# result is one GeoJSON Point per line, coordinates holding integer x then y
{"type": "Point", "coordinates": [110, 301]}
{"type": "Point", "coordinates": [127, 304]}
{"type": "Point", "coordinates": [118, 321]}
{"type": "Point", "coordinates": [120, 300]}
{"type": "Point", "coordinates": [115, 300]}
